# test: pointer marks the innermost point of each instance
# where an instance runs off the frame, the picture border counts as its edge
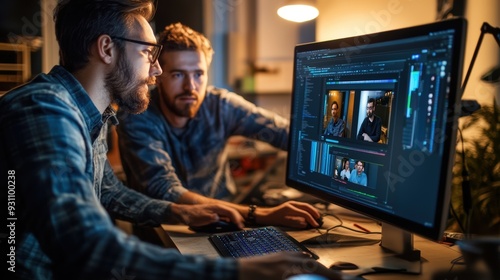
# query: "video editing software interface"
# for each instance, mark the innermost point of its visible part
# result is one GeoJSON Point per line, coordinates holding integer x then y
{"type": "Point", "coordinates": [392, 96]}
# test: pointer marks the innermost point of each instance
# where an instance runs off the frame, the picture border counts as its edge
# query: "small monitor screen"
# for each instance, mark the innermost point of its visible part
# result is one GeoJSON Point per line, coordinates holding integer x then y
{"type": "Point", "coordinates": [373, 123]}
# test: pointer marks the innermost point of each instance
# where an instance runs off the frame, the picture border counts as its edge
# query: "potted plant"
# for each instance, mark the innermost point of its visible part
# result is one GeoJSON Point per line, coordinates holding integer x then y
{"type": "Point", "coordinates": [480, 155]}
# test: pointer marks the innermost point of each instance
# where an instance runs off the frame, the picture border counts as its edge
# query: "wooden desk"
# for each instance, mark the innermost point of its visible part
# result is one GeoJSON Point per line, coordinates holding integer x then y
{"type": "Point", "coordinates": [435, 257]}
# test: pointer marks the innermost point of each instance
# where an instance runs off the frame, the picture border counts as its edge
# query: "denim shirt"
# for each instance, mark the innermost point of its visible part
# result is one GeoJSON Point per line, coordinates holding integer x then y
{"type": "Point", "coordinates": [53, 141]}
{"type": "Point", "coordinates": [164, 164]}
{"type": "Point", "coordinates": [360, 179]}
{"type": "Point", "coordinates": [335, 128]}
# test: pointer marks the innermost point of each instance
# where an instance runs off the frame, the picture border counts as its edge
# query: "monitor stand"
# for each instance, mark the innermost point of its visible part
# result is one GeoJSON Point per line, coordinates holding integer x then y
{"type": "Point", "coordinates": [402, 256]}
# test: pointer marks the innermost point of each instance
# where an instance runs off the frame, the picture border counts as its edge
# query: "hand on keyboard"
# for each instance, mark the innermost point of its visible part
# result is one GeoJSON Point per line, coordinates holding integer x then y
{"type": "Point", "coordinates": [203, 214]}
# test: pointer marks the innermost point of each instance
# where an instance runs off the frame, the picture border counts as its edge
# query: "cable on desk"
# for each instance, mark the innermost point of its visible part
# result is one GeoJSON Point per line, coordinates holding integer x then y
{"type": "Point", "coordinates": [341, 225]}
{"type": "Point", "coordinates": [340, 239]}
{"type": "Point", "coordinates": [457, 261]}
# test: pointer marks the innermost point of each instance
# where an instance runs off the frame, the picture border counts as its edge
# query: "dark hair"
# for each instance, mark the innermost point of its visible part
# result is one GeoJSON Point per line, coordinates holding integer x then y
{"type": "Point", "coordinates": [79, 23]}
{"type": "Point", "coordinates": [371, 100]}
{"type": "Point", "coordinates": [179, 37]}
{"type": "Point", "coordinates": [334, 102]}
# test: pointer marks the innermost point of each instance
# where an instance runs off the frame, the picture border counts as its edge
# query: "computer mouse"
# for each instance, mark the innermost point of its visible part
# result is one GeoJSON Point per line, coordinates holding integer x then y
{"type": "Point", "coordinates": [318, 220]}
{"type": "Point", "coordinates": [216, 227]}
{"type": "Point", "coordinates": [340, 265]}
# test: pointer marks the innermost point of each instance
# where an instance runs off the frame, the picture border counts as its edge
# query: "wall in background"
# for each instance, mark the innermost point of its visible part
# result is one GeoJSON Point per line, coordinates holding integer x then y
{"type": "Point", "coordinates": [19, 17]}
{"type": "Point", "coordinates": [254, 50]}
{"type": "Point", "coordinates": [257, 45]}
{"type": "Point", "coordinates": [339, 18]}
{"type": "Point", "coordinates": [189, 12]}
{"type": "Point", "coordinates": [489, 54]}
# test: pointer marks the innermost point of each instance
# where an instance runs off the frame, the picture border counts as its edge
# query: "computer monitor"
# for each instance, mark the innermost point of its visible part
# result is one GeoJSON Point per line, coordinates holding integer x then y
{"type": "Point", "coordinates": [398, 95]}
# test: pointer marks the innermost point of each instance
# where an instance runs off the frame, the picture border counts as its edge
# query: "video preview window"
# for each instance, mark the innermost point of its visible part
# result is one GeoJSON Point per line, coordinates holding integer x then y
{"type": "Point", "coordinates": [370, 123]}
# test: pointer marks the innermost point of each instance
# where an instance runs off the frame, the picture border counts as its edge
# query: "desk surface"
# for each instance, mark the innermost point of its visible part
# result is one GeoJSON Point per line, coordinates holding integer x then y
{"type": "Point", "coordinates": [435, 257]}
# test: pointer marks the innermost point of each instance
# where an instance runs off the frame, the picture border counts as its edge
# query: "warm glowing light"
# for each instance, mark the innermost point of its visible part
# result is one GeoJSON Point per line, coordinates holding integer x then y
{"type": "Point", "coordinates": [298, 13]}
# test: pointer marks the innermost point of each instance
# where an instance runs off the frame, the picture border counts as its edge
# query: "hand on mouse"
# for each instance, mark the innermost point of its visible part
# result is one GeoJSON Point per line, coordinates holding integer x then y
{"type": "Point", "coordinates": [292, 214]}
{"type": "Point", "coordinates": [203, 214]}
{"type": "Point", "coordinates": [340, 265]}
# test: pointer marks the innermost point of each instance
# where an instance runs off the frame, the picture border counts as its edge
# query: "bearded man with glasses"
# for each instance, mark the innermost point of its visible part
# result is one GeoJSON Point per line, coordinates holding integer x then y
{"type": "Point", "coordinates": [371, 128]}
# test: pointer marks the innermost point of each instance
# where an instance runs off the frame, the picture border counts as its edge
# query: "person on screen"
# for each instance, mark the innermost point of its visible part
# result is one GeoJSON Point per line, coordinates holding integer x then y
{"type": "Point", "coordinates": [53, 152]}
{"type": "Point", "coordinates": [175, 150]}
{"type": "Point", "coordinates": [345, 174]}
{"type": "Point", "coordinates": [371, 128]}
{"type": "Point", "coordinates": [336, 125]}
{"type": "Point", "coordinates": [358, 175]}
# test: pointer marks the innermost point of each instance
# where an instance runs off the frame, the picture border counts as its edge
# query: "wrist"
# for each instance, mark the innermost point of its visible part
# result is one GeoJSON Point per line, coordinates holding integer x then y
{"type": "Point", "coordinates": [251, 218]}
{"type": "Point", "coordinates": [261, 216]}
{"type": "Point", "coordinates": [176, 210]}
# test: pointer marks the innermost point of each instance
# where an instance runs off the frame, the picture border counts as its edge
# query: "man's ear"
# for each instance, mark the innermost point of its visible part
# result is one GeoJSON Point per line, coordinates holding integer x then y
{"type": "Point", "coordinates": [105, 48]}
{"type": "Point", "coordinates": [158, 80]}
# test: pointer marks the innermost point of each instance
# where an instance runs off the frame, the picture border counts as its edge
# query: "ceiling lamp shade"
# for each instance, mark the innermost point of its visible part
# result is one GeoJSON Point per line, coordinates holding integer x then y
{"type": "Point", "coordinates": [298, 11]}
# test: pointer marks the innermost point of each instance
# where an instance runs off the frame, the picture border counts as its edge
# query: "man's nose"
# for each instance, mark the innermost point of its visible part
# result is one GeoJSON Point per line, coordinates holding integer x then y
{"type": "Point", "coordinates": [155, 69]}
{"type": "Point", "coordinates": [189, 83]}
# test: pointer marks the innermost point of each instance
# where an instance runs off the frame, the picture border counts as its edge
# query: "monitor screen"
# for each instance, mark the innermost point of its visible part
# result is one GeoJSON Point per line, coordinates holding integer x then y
{"type": "Point", "coordinates": [374, 121]}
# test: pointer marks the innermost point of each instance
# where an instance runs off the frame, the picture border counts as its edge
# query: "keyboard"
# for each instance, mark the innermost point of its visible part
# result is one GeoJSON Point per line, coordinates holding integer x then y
{"type": "Point", "coordinates": [256, 242]}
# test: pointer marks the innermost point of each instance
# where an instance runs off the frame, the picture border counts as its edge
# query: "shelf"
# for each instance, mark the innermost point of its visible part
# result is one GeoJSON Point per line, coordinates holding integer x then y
{"type": "Point", "coordinates": [18, 70]}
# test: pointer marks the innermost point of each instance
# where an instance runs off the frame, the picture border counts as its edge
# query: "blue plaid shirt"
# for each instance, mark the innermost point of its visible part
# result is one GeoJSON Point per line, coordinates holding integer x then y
{"type": "Point", "coordinates": [54, 139]}
{"type": "Point", "coordinates": [164, 163]}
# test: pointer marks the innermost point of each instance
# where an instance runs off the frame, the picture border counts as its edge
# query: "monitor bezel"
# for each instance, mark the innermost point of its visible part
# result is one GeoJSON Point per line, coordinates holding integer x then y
{"type": "Point", "coordinates": [443, 197]}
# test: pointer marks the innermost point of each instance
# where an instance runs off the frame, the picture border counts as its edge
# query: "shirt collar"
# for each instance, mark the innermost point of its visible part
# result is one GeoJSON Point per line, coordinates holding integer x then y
{"type": "Point", "coordinates": [91, 114]}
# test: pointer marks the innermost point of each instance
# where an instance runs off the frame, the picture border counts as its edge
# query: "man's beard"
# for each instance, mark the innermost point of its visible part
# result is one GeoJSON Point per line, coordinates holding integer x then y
{"type": "Point", "coordinates": [126, 90]}
{"type": "Point", "coordinates": [188, 110]}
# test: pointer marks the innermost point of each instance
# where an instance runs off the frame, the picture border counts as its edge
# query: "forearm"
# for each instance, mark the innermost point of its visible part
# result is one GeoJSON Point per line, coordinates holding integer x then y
{"type": "Point", "coordinates": [194, 198]}
{"type": "Point", "coordinates": [124, 203]}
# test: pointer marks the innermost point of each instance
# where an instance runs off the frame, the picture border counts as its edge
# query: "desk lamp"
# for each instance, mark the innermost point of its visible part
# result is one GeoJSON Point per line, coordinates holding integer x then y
{"type": "Point", "coordinates": [470, 106]}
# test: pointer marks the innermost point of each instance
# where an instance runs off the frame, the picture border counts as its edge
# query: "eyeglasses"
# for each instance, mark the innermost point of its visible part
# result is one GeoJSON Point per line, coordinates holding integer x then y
{"type": "Point", "coordinates": [153, 54]}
